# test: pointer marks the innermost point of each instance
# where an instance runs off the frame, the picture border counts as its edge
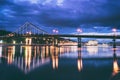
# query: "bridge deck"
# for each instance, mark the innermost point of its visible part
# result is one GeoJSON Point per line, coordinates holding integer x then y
{"type": "Point", "coordinates": [64, 35]}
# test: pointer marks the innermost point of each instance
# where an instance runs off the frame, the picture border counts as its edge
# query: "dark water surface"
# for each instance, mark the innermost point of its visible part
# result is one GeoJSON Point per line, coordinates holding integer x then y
{"type": "Point", "coordinates": [64, 63]}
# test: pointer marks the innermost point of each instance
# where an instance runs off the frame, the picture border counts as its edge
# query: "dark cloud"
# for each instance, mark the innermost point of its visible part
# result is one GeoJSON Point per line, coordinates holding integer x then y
{"type": "Point", "coordinates": [64, 13]}
{"type": "Point", "coordinates": [4, 2]}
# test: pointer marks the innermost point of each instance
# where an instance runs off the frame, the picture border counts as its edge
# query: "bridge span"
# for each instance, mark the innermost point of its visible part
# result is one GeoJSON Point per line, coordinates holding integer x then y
{"type": "Point", "coordinates": [30, 34]}
{"type": "Point", "coordinates": [70, 35]}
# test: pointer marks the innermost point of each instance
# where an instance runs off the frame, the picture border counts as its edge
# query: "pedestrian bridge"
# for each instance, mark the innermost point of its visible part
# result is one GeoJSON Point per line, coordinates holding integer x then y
{"type": "Point", "coordinates": [29, 33]}
{"type": "Point", "coordinates": [30, 30]}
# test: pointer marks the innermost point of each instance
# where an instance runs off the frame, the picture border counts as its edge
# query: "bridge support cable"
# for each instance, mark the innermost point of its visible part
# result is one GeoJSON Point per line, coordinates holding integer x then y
{"type": "Point", "coordinates": [28, 29]}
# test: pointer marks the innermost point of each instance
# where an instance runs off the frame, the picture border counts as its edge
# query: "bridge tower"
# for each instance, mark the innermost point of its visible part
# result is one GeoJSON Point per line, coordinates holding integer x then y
{"type": "Point", "coordinates": [114, 42]}
{"type": "Point", "coordinates": [27, 32]}
{"type": "Point", "coordinates": [28, 41]}
{"type": "Point", "coordinates": [55, 42]}
{"type": "Point", "coordinates": [29, 29]}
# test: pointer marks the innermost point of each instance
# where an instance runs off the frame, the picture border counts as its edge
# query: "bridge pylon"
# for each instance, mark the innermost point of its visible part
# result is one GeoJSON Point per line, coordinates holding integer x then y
{"type": "Point", "coordinates": [26, 30]}
{"type": "Point", "coordinates": [30, 29]}
{"type": "Point", "coordinates": [79, 42]}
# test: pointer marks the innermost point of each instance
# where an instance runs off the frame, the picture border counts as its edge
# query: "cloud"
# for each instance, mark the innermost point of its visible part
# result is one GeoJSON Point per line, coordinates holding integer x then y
{"type": "Point", "coordinates": [61, 13]}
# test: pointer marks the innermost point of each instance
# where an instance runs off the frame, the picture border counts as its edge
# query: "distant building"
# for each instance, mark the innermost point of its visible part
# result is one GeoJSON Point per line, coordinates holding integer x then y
{"type": "Point", "coordinates": [92, 43]}
{"type": "Point", "coordinates": [92, 50]}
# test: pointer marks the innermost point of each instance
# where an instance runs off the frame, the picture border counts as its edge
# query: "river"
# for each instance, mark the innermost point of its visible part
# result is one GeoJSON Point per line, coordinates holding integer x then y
{"type": "Point", "coordinates": [59, 63]}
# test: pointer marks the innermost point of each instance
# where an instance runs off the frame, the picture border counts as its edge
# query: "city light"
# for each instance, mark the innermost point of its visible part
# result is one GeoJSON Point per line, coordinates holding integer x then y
{"type": "Point", "coordinates": [1, 41]}
{"type": "Point", "coordinates": [14, 41]}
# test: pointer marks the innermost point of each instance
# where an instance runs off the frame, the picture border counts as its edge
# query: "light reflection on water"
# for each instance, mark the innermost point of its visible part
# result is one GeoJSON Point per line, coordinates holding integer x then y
{"type": "Point", "coordinates": [28, 58]}
{"type": "Point", "coordinates": [115, 64]}
{"type": "Point", "coordinates": [79, 61]}
{"type": "Point", "coordinates": [55, 58]}
{"type": "Point", "coordinates": [94, 52]}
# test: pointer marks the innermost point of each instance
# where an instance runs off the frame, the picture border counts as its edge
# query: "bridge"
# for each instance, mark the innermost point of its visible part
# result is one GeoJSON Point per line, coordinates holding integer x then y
{"type": "Point", "coordinates": [70, 36]}
{"type": "Point", "coordinates": [29, 34]}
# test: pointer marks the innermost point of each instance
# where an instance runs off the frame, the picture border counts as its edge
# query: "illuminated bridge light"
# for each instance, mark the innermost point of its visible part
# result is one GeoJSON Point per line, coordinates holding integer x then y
{"type": "Point", "coordinates": [114, 29]}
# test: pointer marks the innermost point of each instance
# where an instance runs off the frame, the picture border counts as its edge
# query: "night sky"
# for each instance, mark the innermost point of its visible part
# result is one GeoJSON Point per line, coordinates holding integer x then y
{"type": "Point", "coordinates": [94, 16]}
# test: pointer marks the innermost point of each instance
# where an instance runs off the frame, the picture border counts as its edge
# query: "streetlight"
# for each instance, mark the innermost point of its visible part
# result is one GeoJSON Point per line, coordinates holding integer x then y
{"type": "Point", "coordinates": [114, 30]}
{"type": "Point", "coordinates": [79, 30]}
{"type": "Point", "coordinates": [28, 33]}
{"type": "Point", "coordinates": [55, 31]}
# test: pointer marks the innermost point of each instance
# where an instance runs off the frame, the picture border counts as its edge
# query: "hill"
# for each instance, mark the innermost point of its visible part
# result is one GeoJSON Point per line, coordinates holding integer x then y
{"type": "Point", "coordinates": [3, 32]}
